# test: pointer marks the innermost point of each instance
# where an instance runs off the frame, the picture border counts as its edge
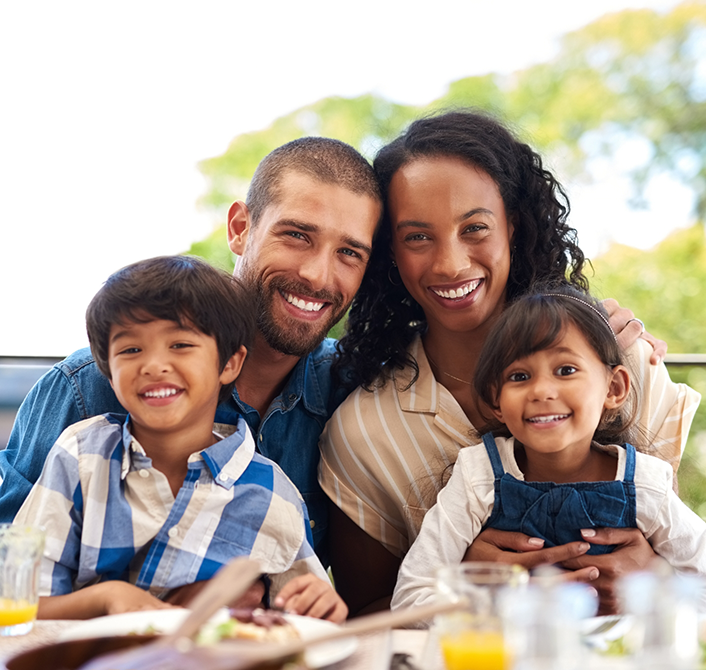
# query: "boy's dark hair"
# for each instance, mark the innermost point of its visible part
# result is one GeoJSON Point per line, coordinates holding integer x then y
{"type": "Point", "coordinates": [534, 322]}
{"type": "Point", "coordinates": [322, 158]}
{"type": "Point", "coordinates": [183, 289]}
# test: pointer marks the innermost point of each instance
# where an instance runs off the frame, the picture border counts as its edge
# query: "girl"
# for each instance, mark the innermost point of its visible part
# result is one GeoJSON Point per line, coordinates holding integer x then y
{"type": "Point", "coordinates": [552, 373]}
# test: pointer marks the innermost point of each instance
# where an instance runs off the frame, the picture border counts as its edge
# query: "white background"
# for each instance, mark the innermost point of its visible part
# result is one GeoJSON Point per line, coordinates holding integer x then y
{"type": "Point", "coordinates": [106, 107]}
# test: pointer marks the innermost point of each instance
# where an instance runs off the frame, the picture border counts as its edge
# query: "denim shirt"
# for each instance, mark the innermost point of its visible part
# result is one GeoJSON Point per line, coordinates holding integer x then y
{"type": "Point", "coordinates": [288, 434]}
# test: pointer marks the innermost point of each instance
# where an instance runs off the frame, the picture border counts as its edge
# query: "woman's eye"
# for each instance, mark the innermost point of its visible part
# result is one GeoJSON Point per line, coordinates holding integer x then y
{"type": "Point", "coordinates": [518, 377]}
{"type": "Point", "coordinates": [474, 228]}
{"type": "Point", "coordinates": [566, 370]}
{"type": "Point", "coordinates": [416, 237]}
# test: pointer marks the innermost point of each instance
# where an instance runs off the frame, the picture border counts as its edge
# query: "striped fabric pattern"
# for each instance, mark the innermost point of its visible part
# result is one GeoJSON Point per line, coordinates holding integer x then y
{"type": "Point", "coordinates": [383, 453]}
{"type": "Point", "coordinates": [109, 514]}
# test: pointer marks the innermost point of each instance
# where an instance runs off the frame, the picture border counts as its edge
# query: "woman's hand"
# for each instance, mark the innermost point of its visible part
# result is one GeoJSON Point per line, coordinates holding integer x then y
{"type": "Point", "coordinates": [627, 330]}
{"type": "Point", "coordinates": [632, 553]}
{"type": "Point", "coordinates": [307, 595]}
{"type": "Point", "coordinates": [502, 546]}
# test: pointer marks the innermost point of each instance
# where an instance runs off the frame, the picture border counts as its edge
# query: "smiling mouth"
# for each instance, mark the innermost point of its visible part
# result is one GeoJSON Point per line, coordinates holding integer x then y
{"type": "Point", "coordinates": [161, 393]}
{"type": "Point", "coordinates": [548, 418]}
{"type": "Point", "coordinates": [460, 292]}
{"type": "Point", "coordinates": [305, 306]}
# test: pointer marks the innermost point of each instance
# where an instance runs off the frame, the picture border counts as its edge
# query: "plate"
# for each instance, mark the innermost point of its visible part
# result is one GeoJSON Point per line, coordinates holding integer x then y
{"type": "Point", "coordinates": [167, 620]}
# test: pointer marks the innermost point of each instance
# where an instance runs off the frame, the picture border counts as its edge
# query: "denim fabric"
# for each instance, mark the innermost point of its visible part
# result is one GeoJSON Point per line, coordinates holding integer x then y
{"type": "Point", "coordinates": [558, 512]}
{"type": "Point", "coordinates": [288, 434]}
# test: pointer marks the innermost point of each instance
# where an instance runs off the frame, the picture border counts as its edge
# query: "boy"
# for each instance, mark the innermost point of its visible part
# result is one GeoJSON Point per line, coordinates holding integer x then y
{"type": "Point", "coordinates": [134, 508]}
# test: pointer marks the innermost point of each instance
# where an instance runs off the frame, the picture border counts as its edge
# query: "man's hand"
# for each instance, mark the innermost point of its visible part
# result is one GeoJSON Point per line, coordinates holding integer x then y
{"type": "Point", "coordinates": [627, 330]}
{"type": "Point", "coordinates": [183, 595]}
{"type": "Point", "coordinates": [632, 553]}
{"type": "Point", "coordinates": [308, 595]}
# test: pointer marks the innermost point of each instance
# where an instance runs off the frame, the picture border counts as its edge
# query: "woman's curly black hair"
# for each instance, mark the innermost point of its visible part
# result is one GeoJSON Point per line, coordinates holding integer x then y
{"type": "Point", "coordinates": [384, 318]}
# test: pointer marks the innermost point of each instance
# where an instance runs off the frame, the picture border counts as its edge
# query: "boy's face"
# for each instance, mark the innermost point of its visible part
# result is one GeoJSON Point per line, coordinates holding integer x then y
{"type": "Point", "coordinates": [167, 376]}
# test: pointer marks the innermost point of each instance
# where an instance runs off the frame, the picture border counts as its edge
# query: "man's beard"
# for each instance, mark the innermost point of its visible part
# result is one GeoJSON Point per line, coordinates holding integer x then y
{"type": "Point", "coordinates": [297, 338]}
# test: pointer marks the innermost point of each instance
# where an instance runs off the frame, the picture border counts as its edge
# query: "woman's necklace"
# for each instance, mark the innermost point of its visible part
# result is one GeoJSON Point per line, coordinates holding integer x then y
{"type": "Point", "coordinates": [448, 374]}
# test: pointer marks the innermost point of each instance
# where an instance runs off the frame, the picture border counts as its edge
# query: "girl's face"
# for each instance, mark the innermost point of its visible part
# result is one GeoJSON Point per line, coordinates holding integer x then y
{"type": "Point", "coordinates": [554, 399]}
{"type": "Point", "coordinates": [451, 241]}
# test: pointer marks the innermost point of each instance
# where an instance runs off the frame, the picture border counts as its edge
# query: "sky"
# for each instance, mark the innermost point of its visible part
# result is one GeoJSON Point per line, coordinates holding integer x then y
{"type": "Point", "coordinates": [106, 109]}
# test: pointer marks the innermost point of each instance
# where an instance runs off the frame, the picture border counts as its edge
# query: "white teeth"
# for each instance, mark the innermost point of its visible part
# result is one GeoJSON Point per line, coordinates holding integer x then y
{"type": "Point", "coordinates": [548, 418]}
{"type": "Point", "coordinates": [301, 304]}
{"type": "Point", "coordinates": [458, 292]}
{"type": "Point", "coordinates": [160, 393]}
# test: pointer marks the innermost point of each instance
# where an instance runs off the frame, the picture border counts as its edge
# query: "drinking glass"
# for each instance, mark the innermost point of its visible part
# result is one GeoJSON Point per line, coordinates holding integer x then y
{"type": "Point", "coordinates": [21, 550]}
{"type": "Point", "coordinates": [473, 637]}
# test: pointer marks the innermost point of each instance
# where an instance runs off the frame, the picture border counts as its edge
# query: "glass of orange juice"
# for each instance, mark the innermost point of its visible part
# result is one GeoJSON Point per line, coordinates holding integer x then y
{"type": "Point", "coordinates": [472, 638]}
{"type": "Point", "coordinates": [21, 550]}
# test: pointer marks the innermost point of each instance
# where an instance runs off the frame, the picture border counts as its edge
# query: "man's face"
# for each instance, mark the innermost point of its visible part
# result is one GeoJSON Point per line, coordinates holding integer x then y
{"type": "Point", "coordinates": [305, 259]}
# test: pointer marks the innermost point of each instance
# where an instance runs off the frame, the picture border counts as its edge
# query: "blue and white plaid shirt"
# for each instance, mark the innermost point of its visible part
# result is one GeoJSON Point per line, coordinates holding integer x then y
{"type": "Point", "coordinates": [109, 514]}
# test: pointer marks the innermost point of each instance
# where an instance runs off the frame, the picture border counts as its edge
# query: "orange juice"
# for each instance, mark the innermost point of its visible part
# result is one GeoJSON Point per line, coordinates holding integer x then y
{"type": "Point", "coordinates": [14, 612]}
{"type": "Point", "coordinates": [473, 650]}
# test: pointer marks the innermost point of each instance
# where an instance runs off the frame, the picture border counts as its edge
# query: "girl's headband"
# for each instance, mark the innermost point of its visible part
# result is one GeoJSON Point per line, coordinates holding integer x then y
{"type": "Point", "coordinates": [583, 302]}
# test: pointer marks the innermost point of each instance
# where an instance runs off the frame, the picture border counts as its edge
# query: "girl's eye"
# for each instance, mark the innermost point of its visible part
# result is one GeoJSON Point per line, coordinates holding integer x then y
{"type": "Point", "coordinates": [518, 377]}
{"type": "Point", "coordinates": [566, 370]}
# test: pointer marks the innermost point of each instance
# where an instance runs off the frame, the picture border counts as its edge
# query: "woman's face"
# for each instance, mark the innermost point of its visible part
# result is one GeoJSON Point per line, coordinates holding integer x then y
{"type": "Point", "coordinates": [451, 241]}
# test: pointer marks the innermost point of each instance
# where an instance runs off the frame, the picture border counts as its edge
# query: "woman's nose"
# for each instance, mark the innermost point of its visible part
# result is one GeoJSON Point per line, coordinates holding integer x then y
{"type": "Point", "coordinates": [451, 259]}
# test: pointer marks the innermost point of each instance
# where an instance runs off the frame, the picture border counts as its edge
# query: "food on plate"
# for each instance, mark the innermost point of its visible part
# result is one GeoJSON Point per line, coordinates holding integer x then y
{"type": "Point", "coordinates": [244, 624]}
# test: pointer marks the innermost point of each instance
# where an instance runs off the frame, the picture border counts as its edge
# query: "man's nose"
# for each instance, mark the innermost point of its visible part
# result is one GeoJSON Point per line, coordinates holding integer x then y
{"type": "Point", "coordinates": [317, 269]}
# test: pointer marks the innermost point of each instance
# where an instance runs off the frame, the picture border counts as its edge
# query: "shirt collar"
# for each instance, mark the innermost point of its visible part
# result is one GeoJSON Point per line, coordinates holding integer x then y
{"type": "Point", "coordinates": [227, 459]}
{"type": "Point", "coordinates": [423, 394]}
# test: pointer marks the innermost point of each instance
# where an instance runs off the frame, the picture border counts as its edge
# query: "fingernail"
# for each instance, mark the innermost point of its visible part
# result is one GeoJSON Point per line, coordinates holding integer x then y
{"type": "Point", "coordinates": [279, 601]}
{"type": "Point", "coordinates": [584, 546]}
{"type": "Point", "coordinates": [593, 574]}
{"type": "Point", "coordinates": [536, 541]}
{"type": "Point", "coordinates": [588, 532]}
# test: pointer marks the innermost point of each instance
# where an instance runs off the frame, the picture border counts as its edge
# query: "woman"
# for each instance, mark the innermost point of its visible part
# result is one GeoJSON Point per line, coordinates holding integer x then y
{"type": "Point", "coordinates": [472, 220]}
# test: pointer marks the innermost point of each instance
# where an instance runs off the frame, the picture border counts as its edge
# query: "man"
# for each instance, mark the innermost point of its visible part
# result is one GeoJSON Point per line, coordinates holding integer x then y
{"type": "Point", "coordinates": [303, 237]}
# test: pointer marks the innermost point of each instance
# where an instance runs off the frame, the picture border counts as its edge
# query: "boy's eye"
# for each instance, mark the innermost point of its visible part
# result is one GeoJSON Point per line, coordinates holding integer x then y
{"type": "Point", "coordinates": [518, 377]}
{"type": "Point", "coordinates": [181, 345]}
{"type": "Point", "coordinates": [566, 370]}
{"type": "Point", "coordinates": [129, 350]}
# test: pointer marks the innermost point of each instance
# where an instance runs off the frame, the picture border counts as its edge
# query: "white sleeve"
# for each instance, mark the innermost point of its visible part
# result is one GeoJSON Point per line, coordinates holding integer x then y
{"type": "Point", "coordinates": [675, 532]}
{"type": "Point", "coordinates": [449, 528]}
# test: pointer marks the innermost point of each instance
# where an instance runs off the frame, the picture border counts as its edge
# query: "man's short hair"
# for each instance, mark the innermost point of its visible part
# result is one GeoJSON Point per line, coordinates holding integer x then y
{"type": "Point", "coordinates": [183, 289]}
{"type": "Point", "coordinates": [326, 160]}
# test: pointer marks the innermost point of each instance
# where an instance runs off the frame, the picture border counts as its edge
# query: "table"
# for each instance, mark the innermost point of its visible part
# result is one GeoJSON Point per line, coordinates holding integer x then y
{"type": "Point", "coordinates": [373, 653]}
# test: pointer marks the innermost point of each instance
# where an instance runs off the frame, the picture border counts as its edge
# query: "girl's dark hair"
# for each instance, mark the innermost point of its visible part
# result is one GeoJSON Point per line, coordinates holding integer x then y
{"type": "Point", "coordinates": [173, 288]}
{"type": "Point", "coordinates": [384, 317]}
{"type": "Point", "coordinates": [534, 322]}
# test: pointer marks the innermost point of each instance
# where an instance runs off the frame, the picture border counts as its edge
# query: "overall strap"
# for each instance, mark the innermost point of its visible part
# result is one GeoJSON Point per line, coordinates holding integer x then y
{"type": "Point", "coordinates": [493, 455]}
{"type": "Point", "coordinates": [629, 463]}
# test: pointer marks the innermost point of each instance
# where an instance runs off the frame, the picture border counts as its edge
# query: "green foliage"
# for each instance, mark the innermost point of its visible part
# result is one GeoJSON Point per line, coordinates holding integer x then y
{"type": "Point", "coordinates": [215, 250]}
{"type": "Point", "coordinates": [665, 286]}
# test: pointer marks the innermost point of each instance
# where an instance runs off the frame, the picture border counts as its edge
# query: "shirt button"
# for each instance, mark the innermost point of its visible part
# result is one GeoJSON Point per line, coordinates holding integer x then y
{"type": "Point", "coordinates": [222, 476]}
{"type": "Point", "coordinates": [312, 523]}
{"type": "Point", "coordinates": [260, 437]}
{"type": "Point", "coordinates": [173, 531]}
{"type": "Point", "coordinates": [292, 396]}
{"type": "Point", "coordinates": [144, 473]}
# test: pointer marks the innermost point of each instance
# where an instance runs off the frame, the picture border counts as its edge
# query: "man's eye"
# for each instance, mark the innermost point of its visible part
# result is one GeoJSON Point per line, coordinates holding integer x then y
{"type": "Point", "coordinates": [351, 253]}
{"type": "Point", "coordinates": [566, 370]}
{"type": "Point", "coordinates": [296, 234]}
{"type": "Point", "coordinates": [518, 377]}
